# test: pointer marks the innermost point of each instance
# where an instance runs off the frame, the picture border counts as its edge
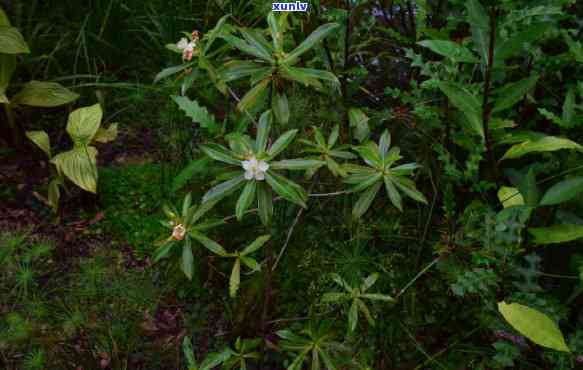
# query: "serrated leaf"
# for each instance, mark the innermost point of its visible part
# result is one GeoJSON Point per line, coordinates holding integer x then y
{"type": "Point", "coordinates": [12, 42]}
{"type": "Point", "coordinates": [197, 113]}
{"type": "Point", "coordinates": [545, 144]}
{"type": "Point", "coordinates": [556, 234]}
{"type": "Point", "coordinates": [80, 166]}
{"type": "Point", "coordinates": [450, 49]}
{"type": "Point", "coordinates": [44, 94]}
{"type": "Point", "coordinates": [41, 139]}
{"type": "Point", "coordinates": [563, 191]}
{"type": "Point", "coordinates": [534, 325]}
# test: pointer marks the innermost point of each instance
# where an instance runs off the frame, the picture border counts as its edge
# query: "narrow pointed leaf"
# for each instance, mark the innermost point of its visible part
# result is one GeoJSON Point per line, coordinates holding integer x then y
{"type": "Point", "coordinates": [281, 143]}
{"type": "Point", "coordinates": [258, 243]}
{"type": "Point", "coordinates": [556, 234]}
{"type": "Point", "coordinates": [220, 153]}
{"type": "Point", "coordinates": [265, 204]}
{"type": "Point", "coordinates": [235, 278]}
{"type": "Point", "coordinates": [223, 189]}
{"type": "Point", "coordinates": [209, 244]}
{"type": "Point", "coordinates": [315, 37]}
{"type": "Point", "coordinates": [286, 188]}
{"type": "Point", "coordinates": [187, 261]}
{"type": "Point", "coordinates": [365, 200]}
{"type": "Point", "coordinates": [245, 199]}
{"type": "Point", "coordinates": [563, 191]}
{"type": "Point", "coordinates": [545, 144]}
{"type": "Point", "coordinates": [280, 107]}
{"type": "Point", "coordinates": [263, 132]}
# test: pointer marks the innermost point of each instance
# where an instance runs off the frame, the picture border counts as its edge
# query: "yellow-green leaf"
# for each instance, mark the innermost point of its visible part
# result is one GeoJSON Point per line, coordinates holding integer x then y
{"type": "Point", "coordinates": [12, 42]}
{"type": "Point", "coordinates": [545, 144]}
{"type": "Point", "coordinates": [41, 139]}
{"type": "Point", "coordinates": [80, 166]}
{"type": "Point", "coordinates": [235, 279]}
{"type": "Point", "coordinates": [556, 233]}
{"type": "Point", "coordinates": [534, 325]}
{"type": "Point", "coordinates": [105, 135]}
{"type": "Point", "coordinates": [44, 94]}
{"type": "Point", "coordinates": [84, 123]}
{"type": "Point", "coordinates": [510, 197]}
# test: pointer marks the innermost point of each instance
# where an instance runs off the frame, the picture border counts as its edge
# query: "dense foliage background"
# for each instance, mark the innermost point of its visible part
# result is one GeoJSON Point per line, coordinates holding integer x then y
{"type": "Point", "coordinates": [368, 185]}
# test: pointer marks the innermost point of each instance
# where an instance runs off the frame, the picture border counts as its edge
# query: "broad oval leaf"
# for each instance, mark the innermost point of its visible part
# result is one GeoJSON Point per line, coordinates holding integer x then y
{"type": "Point", "coordinates": [44, 94]}
{"type": "Point", "coordinates": [562, 191]}
{"type": "Point", "coordinates": [534, 325]}
{"type": "Point", "coordinates": [512, 93]}
{"type": "Point", "coordinates": [466, 102]}
{"type": "Point", "coordinates": [83, 124]}
{"type": "Point", "coordinates": [105, 135]}
{"type": "Point", "coordinates": [80, 166]}
{"type": "Point", "coordinates": [41, 139]}
{"type": "Point", "coordinates": [12, 42]}
{"type": "Point", "coordinates": [510, 196]}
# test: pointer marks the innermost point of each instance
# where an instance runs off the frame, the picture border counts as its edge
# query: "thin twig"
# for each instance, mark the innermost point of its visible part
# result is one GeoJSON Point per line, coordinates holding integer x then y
{"type": "Point", "coordinates": [423, 271]}
{"type": "Point", "coordinates": [287, 239]}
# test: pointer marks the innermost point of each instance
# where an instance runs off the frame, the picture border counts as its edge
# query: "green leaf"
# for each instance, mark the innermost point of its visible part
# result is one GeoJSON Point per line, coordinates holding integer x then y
{"type": "Point", "coordinates": [223, 189]}
{"type": "Point", "coordinates": [220, 153]}
{"type": "Point", "coordinates": [281, 143]}
{"type": "Point", "coordinates": [308, 76]}
{"type": "Point", "coordinates": [315, 37]}
{"type": "Point", "coordinates": [187, 261]}
{"type": "Point", "coordinates": [196, 167]}
{"type": "Point", "coordinates": [41, 139]}
{"type": "Point", "coordinates": [377, 297]}
{"type": "Point", "coordinates": [353, 316]}
{"type": "Point", "coordinates": [252, 96]}
{"type": "Point", "coordinates": [534, 325]}
{"type": "Point", "coordinates": [568, 115]}
{"type": "Point", "coordinates": [334, 297]}
{"type": "Point", "coordinates": [280, 107]}
{"type": "Point", "coordinates": [209, 244]}
{"type": "Point", "coordinates": [257, 243]}
{"type": "Point", "coordinates": [276, 34]}
{"type": "Point", "coordinates": [189, 354]}
{"type": "Point", "coordinates": [407, 186]}
{"type": "Point", "coordinates": [83, 124]}
{"type": "Point", "coordinates": [215, 359]}
{"type": "Point", "coordinates": [365, 200]}
{"type": "Point", "coordinates": [359, 121]}
{"type": "Point", "coordinates": [105, 135]}
{"type": "Point", "coordinates": [80, 166]}
{"type": "Point", "coordinates": [450, 49]}
{"type": "Point", "coordinates": [393, 194]}
{"type": "Point", "coordinates": [7, 67]}
{"type": "Point", "coordinates": [556, 234]}
{"type": "Point", "coordinates": [518, 41]}
{"type": "Point", "coordinates": [371, 154]}
{"type": "Point", "coordinates": [245, 199]}
{"type": "Point", "coordinates": [250, 263]}
{"type": "Point", "coordinates": [237, 69]}
{"type": "Point", "coordinates": [265, 204]}
{"type": "Point", "coordinates": [545, 144]}
{"type": "Point", "coordinates": [479, 20]}
{"type": "Point", "coordinates": [287, 189]}
{"type": "Point", "coordinates": [167, 72]}
{"type": "Point", "coordinates": [218, 30]}
{"type": "Point", "coordinates": [235, 278]}
{"type": "Point", "coordinates": [362, 307]}
{"type": "Point", "coordinates": [197, 113]}
{"type": "Point", "coordinates": [54, 194]}
{"type": "Point", "coordinates": [44, 94]}
{"type": "Point", "coordinates": [512, 93]}
{"type": "Point", "coordinates": [12, 42]}
{"type": "Point", "coordinates": [466, 102]}
{"type": "Point", "coordinates": [258, 42]}
{"type": "Point", "coordinates": [369, 282]}
{"type": "Point", "coordinates": [253, 50]}
{"type": "Point", "coordinates": [263, 132]}
{"type": "Point", "coordinates": [296, 164]}
{"type": "Point", "coordinates": [563, 191]}
{"type": "Point", "coordinates": [510, 197]}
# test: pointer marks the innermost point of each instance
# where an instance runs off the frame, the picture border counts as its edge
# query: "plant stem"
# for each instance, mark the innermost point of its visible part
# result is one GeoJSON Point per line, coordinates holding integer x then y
{"type": "Point", "coordinates": [486, 109]}
{"type": "Point", "coordinates": [12, 125]}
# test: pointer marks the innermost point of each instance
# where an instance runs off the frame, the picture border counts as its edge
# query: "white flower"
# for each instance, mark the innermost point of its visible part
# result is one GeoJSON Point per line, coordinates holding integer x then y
{"type": "Point", "coordinates": [187, 48]}
{"type": "Point", "coordinates": [255, 169]}
{"type": "Point", "coordinates": [179, 232]}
